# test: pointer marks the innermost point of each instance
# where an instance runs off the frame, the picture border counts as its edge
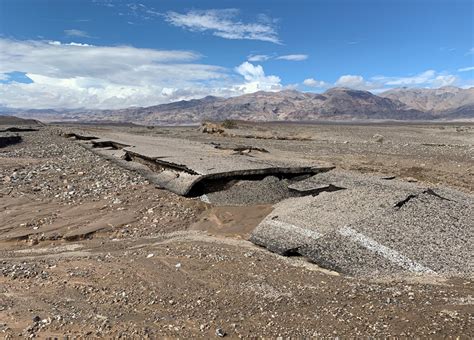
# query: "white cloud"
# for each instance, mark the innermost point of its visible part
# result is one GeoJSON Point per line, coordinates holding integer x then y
{"type": "Point", "coordinates": [256, 80]}
{"type": "Point", "coordinates": [77, 44]}
{"type": "Point", "coordinates": [85, 76]}
{"type": "Point", "coordinates": [224, 23]}
{"type": "Point", "coordinates": [311, 82]}
{"type": "Point", "coordinates": [291, 87]}
{"type": "Point", "coordinates": [354, 82]}
{"type": "Point", "coordinates": [466, 69]}
{"type": "Point", "coordinates": [258, 57]}
{"type": "Point", "coordinates": [428, 78]}
{"type": "Point", "coordinates": [293, 57]}
{"type": "Point", "coordinates": [115, 64]}
{"type": "Point", "coordinates": [265, 57]}
{"type": "Point", "coordinates": [139, 10]}
{"type": "Point", "coordinates": [418, 79]}
{"type": "Point", "coordinates": [77, 33]}
{"type": "Point", "coordinates": [78, 75]}
{"type": "Point", "coordinates": [445, 80]}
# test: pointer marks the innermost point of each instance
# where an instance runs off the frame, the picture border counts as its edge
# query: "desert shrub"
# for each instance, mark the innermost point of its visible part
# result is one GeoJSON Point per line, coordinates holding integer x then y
{"type": "Point", "coordinates": [229, 124]}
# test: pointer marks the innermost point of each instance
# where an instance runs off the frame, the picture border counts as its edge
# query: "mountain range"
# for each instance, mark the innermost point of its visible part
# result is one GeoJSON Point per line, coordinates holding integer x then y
{"type": "Point", "coordinates": [446, 103]}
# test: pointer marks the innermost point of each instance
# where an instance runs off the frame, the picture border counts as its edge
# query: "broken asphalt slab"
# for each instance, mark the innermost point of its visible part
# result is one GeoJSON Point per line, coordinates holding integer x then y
{"type": "Point", "coordinates": [188, 167]}
{"type": "Point", "coordinates": [373, 226]}
{"type": "Point", "coordinates": [6, 140]}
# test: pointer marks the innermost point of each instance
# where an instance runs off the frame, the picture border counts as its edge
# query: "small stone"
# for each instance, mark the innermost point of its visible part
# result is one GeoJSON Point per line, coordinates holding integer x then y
{"type": "Point", "coordinates": [378, 138]}
{"type": "Point", "coordinates": [220, 332]}
{"type": "Point", "coordinates": [33, 241]}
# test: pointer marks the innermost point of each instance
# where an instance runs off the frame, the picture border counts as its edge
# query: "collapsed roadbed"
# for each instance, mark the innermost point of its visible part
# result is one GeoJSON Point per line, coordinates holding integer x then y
{"type": "Point", "coordinates": [355, 224]}
{"type": "Point", "coordinates": [373, 226]}
{"type": "Point", "coordinates": [190, 168]}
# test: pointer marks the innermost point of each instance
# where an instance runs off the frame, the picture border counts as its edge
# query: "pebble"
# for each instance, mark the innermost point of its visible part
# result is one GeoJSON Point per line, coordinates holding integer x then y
{"type": "Point", "coordinates": [220, 332]}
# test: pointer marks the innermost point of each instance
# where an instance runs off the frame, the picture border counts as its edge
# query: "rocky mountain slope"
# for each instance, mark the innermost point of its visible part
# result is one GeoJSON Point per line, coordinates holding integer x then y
{"type": "Point", "coordinates": [445, 101]}
{"type": "Point", "coordinates": [289, 105]}
{"type": "Point", "coordinates": [337, 103]}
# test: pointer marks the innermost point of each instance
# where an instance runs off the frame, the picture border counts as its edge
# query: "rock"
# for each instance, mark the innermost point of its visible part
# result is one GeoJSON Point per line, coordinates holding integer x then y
{"type": "Point", "coordinates": [378, 138]}
{"type": "Point", "coordinates": [220, 332]}
{"type": "Point", "coordinates": [212, 128]}
{"type": "Point", "coordinates": [33, 241]}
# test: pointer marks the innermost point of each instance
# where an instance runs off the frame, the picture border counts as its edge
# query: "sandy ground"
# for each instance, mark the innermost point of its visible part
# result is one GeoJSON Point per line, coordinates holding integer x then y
{"type": "Point", "coordinates": [90, 249]}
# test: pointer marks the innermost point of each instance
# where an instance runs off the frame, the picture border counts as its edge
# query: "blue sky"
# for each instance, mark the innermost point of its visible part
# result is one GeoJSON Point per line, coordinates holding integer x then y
{"type": "Point", "coordinates": [103, 53]}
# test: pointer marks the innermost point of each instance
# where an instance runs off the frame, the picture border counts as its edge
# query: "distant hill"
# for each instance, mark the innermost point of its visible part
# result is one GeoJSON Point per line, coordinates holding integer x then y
{"type": "Point", "coordinates": [12, 120]}
{"type": "Point", "coordinates": [448, 101]}
{"type": "Point", "coordinates": [289, 105]}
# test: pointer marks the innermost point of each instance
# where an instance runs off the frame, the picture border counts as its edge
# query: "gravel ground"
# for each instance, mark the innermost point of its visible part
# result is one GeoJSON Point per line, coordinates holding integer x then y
{"type": "Point", "coordinates": [269, 190]}
{"type": "Point", "coordinates": [55, 172]}
{"type": "Point", "coordinates": [154, 277]}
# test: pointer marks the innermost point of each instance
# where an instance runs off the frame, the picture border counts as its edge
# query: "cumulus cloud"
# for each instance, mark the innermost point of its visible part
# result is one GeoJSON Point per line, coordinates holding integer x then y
{"type": "Point", "coordinates": [256, 80]}
{"type": "Point", "coordinates": [225, 24]}
{"type": "Point", "coordinates": [311, 82]}
{"type": "Point", "coordinates": [466, 69]}
{"type": "Point", "coordinates": [77, 33]}
{"type": "Point", "coordinates": [354, 81]}
{"type": "Point", "coordinates": [427, 79]}
{"type": "Point", "coordinates": [293, 57]}
{"type": "Point", "coordinates": [78, 75]}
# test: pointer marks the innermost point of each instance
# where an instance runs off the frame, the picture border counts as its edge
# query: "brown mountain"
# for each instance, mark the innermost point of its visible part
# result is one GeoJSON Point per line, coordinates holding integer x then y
{"type": "Point", "coordinates": [290, 105]}
{"type": "Point", "coordinates": [336, 103]}
{"type": "Point", "coordinates": [446, 101]}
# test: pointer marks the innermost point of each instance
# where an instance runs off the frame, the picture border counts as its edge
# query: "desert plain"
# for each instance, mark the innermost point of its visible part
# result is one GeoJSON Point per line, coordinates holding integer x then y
{"type": "Point", "coordinates": [126, 231]}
